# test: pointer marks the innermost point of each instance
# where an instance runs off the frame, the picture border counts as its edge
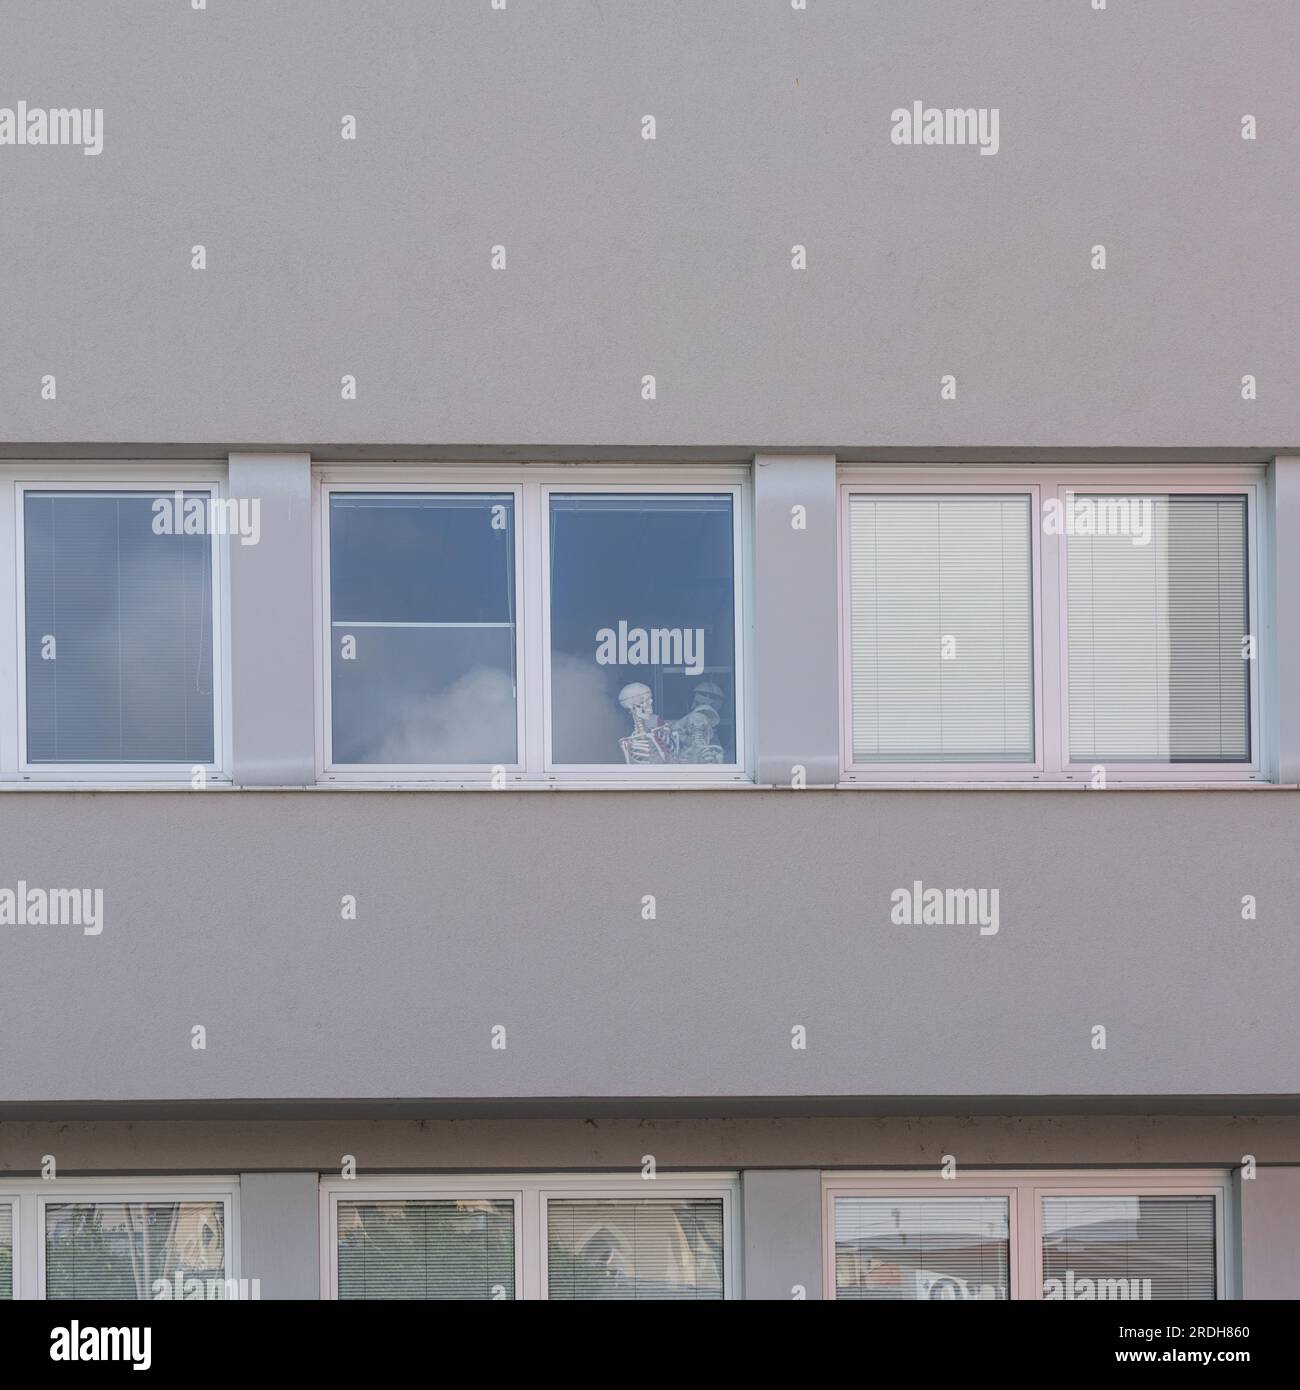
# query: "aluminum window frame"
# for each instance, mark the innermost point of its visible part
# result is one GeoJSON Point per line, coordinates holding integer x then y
{"type": "Point", "coordinates": [1027, 1188]}
{"type": "Point", "coordinates": [532, 1193]}
{"type": "Point", "coordinates": [31, 1196]}
{"type": "Point", "coordinates": [160, 480]}
{"type": "Point", "coordinates": [532, 486]}
{"type": "Point", "coordinates": [1053, 765]}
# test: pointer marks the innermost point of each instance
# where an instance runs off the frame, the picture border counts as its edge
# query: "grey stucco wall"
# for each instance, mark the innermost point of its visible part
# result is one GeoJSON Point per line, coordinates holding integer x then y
{"type": "Point", "coordinates": [781, 1230]}
{"type": "Point", "coordinates": [1270, 1234]}
{"type": "Point", "coordinates": [670, 257]}
{"type": "Point", "coordinates": [279, 1232]}
{"type": "Point", "coordinates": [524, 909]}
{"type": "Point", "coordinates": [271, 624]}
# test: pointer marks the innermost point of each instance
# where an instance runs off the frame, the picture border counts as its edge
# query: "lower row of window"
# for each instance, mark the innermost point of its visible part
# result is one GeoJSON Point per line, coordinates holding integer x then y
{"type": "Point", "coordinates": [563, 1238]}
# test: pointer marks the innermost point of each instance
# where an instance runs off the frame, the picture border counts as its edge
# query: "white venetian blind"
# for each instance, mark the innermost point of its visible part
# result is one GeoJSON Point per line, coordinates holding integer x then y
{"type": "Point", "coordinates": [436, 1249]}
{"type": "Point", "coordinates": [652, 1249]}
{"type": "Point", "coordinates": [1157, 609]}
{"type": "Point", "coordinates": [941, 625]}
{"type": "Point", "coordinates": [922, 1248]}
{"type": "Point", "coordinates": [1125, 1247]}
{"type": "Point", "coordinates": [126, 1250]}
{"type": "Point", "coordinates": [6, 1251]}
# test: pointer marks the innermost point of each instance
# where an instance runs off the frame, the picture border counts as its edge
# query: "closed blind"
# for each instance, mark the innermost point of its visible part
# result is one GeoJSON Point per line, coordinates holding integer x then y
{"type": "Point", "coordinates": [118, 632]}
{"type": "Point", "coordinates": [941, 617]}
{"type": "Point", "coordinates": [922, 1248]}
{"type": "Point", "coordinates": [653, 1249]}
{"type": "Point", "coordinates": [122, 1250]}
{"type": "Point", "coordinates": [1155, 632]}
{"type": "Point", "coordinates": [427, 1249]}
{"type": "Point", "coordinates": [1128, 1247]}
{"type": "Point", "coordinates": [6, 1252]}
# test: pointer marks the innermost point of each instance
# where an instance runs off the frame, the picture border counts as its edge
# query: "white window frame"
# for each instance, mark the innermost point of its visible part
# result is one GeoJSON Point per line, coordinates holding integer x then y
{"type": "Point", "coordinates": [30, 1197]}
{"type": "Point", "coordinates": [15, 483]}
{"type": "Point", "coordinates": [1024, 1190]}
{"type": "Point", "coordinates": [9, 1197]}
{"type": "Point", "coordinates": [531, 1194]}
{"type": "Point", "coordinates": [531, 488]}
{"type": "Point", "coordinates": [369, 772]}
{"type": "Point", "coordinates": [941, 771]}
{"type": "Point", "coordinates": [1052, 763]}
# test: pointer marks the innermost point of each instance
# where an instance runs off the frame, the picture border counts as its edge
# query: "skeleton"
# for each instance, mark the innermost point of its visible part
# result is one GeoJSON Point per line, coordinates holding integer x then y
{"type": "Point", "coordinates": [650, 739]}
{"type": "Point", "coordinates": [693, 737]}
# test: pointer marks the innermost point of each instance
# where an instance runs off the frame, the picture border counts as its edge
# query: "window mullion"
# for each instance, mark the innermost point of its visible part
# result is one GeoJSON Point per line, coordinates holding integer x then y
{"type": "Point", "coordinates": [11, 634]}
{"type": "Point", "coordinates": [1051, 607]}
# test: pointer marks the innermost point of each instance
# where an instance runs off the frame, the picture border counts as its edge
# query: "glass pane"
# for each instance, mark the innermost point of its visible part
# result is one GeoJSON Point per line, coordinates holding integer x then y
{"type": "Point", "coordinates": [942, 632]}
{"type": "Point", "coordinates": [135, 1250]}
{"type": "Point", "coordinates": [434, 1249]}
{"type": "Point", "coordinates": [1157, 609]}
{"type": "Point", "coordinates": [643, 640]}
{"type": "Point", "coordinates": [634, 1249]}
{"type": "Point", "coordinates": [1128, 1247]}
{"type": "Point", "coordinates": [422, 624]}
{"type": "Point", "coordinates": [6, 1251]}
{"type": "Point", "coordinates": [922, 1247]}
{"type": "Point", "coordinates": [118, 630]}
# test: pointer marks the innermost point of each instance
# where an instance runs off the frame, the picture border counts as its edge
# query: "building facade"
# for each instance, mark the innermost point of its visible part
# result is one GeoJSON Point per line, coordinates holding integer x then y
{"type": "Point", "coordinates": [650, 651]}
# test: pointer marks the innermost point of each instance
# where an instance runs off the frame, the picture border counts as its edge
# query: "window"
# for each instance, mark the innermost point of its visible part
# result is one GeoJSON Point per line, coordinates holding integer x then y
{"type": "Point", "coordinates": [6, 1250]}
{"type": "Point", "coordinates": [120, 1239]}
{"type": "Point", "coordinates": [643, 630]}
{"type": "Point", "coordinates": [571, 627]}
{"type": "Point", "coordinates": [1128, 1247]}
{"type": "Point", "coordinates": [941, 615]}
{"type": "Point", "coordinates": [1058, 1236]}
{"type": "Point", "coordinates": [132, 1250]}
{"type": "Point", "coordinates": [922, 1247]}
{"type": "Point", "coordinates": [427, 1249]}
{"type": "Point", "coordinates": [1156, 624]}
{"type": "Point", "coordinates": [1049, 625]}
{"type": "Point", "coordinates": [422, 618]}
{"type": "Point", "coordinates": [566, 1237]}
{"type": "Point", "coordinates": [118, 629]}
{"type": "Point", "coordinates": [652, 1249]}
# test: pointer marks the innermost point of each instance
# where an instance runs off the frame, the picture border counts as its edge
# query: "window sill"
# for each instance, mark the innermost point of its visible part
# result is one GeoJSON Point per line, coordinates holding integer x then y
{"type": "Point", "coordinates": [427, 785]}
{"type": "Point", "coordinates": [1152, 785]}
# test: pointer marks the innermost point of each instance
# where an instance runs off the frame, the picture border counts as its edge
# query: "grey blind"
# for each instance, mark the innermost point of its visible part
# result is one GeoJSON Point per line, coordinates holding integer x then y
{"type": "Point", "coordinates": [118, 632]}
{"type": "Point", "coordinates": [922, 1248]}
{"type": "Point", "coordinates": [1155, 633]}
{"type": "Point", "coordinates": [651, 1249]}
{"type": "Point", "coordinates": [1125, 1247]}
{"type": "Point", "coordinates": [923, 569]}
{"type": "Point", "coordinates": [443, 1249]}
{"type": "Point", "coordinates": [6, 1251]}
{"type": "Point", "coordinates": [121, 1250]}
